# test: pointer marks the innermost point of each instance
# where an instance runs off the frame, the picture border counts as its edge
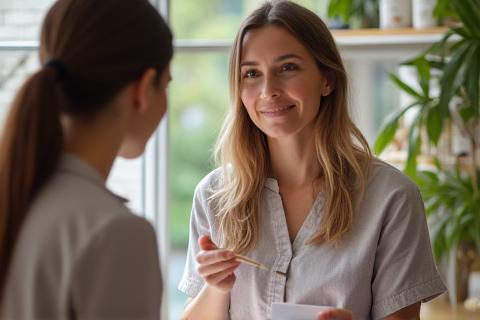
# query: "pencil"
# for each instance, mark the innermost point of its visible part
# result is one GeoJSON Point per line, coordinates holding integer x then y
{"type": "Point", "coordinates": [250, 262]}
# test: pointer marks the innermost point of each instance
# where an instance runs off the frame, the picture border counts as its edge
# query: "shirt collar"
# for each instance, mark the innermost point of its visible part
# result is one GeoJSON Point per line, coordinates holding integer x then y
{"type": "Point", "coordinates": [272, 184]}
{"type": "Point", "coordinates": [74, 165]}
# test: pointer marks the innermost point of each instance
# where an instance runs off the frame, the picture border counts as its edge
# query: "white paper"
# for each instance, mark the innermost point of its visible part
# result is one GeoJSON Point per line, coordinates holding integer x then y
{"type": "Point", "coordinates": [292, 311]}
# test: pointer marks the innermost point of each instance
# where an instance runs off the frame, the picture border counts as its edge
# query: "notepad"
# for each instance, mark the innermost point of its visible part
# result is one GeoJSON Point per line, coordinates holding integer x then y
{"type": "Point", "coordinates": [292, 311]}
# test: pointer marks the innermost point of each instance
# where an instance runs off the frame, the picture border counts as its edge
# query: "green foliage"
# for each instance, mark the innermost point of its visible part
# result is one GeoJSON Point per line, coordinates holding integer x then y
{"type": "Point", "coordinates": [364, 11]}
{"type": "Point", "coordinates": [451, 195]}
{"type": "Point", "coordinates": [453, 207]}
{"type": "Point", "coordinates": [199, 101]}
{"type": "Point", "coordinates": [444, 9]}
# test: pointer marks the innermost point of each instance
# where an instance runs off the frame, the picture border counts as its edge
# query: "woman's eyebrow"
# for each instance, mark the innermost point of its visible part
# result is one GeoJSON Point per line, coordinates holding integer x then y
{"type": "Point", "coordinates": [280, 58]}
{"type": "Point", "coordinates": [288, 56]}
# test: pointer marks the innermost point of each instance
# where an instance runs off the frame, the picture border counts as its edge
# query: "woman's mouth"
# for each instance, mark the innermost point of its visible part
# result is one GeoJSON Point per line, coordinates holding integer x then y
{"type": "Point", "coordinates": [277, 111]}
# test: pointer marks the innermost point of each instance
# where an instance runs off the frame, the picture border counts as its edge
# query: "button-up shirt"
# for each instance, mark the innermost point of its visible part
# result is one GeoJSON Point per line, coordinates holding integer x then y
{"type": "Point", "coordinates": [383, 264]}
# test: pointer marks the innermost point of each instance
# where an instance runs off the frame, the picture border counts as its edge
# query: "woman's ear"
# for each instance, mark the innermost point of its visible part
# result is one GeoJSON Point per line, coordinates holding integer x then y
{"type": "Point", "coordinates": [328, 84]}
{"type": "Point", "coordinates": [144, 89]}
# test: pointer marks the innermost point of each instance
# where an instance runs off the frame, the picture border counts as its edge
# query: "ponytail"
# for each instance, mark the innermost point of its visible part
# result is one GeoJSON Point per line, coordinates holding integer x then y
{"type": "Point", "coordinates": [30, 148]}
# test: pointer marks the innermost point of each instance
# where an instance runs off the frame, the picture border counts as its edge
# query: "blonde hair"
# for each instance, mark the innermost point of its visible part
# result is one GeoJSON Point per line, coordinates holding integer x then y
{"type": "Point", "coordinates": [342, 151]}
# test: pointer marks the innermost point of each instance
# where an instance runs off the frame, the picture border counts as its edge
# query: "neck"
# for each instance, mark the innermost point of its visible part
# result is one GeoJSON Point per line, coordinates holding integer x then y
{"type": "Point", "coordinates": [294, 161]}
{"type": "Point", "coordinates": [96, 145]}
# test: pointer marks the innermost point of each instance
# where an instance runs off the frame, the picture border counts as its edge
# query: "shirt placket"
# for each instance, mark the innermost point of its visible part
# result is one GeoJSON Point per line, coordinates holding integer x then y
{"type": "Point", "coordinates": [278, 274]}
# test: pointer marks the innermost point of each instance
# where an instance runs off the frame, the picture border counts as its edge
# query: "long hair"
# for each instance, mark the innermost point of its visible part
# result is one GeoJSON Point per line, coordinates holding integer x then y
{"type": "Point", "coordinates": [97, 48]}
{"type": "Point", "coordinates": [341, 150]}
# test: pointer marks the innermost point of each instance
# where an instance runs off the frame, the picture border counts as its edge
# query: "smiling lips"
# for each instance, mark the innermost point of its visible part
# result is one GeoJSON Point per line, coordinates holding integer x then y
{"type": "Point", "coordinates": [276, 111]}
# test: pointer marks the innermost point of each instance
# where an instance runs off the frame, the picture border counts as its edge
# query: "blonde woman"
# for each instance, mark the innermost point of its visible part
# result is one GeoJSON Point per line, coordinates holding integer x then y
{"type": "Point", "coordinates": [299, 191]}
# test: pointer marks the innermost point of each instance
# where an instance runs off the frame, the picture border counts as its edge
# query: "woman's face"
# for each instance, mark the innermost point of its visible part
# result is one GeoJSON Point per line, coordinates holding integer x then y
{"type": "Point", "coordinates": [281, 85]}
{"type": "Point", "coordinates": [143, 123]}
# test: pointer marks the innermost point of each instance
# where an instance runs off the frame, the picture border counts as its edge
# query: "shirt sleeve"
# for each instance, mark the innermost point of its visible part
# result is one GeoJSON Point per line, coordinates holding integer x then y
{"type": "Point", "coordinates": [191, 282]}
{"type": "Point", "coordinates": [117, 274]}
{"type": "Point", "coordinates": [404, 270]}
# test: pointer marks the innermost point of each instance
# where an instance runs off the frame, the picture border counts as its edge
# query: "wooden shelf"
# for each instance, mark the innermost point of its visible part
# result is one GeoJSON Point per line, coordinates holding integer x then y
{"type": "Point", "coordinates": [401, 36]}
{"type": "Point", "coordinates": [401, 43]}
{"type": "Point", "coordinates": [388, 32]}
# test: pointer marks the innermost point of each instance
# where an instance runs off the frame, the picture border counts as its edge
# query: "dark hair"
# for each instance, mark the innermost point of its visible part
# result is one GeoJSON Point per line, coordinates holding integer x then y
{"type": "Point", "coordinates": [97, 48]}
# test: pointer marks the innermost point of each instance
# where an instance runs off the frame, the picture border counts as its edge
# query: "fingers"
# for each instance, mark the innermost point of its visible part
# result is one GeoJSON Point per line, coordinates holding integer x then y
{"type": "Point", "coordinates": [214, 256]}
{"type": "Point", "coordinates": [216, 266]}
{"type": "Point", "coordinates": [206, 243]}
{"type": "Point", "coordinates": [217, 277]}
{"type": "Point", "coordinates": [210, 269]}
{"type": "Point", "coordinates": [335, 314]}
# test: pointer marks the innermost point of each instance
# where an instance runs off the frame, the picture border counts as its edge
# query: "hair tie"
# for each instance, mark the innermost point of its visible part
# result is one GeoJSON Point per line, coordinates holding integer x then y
{"type": "Point", "coordinates": [59, 68]}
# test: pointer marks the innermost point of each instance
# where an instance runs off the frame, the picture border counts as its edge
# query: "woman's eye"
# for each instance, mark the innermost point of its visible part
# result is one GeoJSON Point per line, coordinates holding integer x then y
{"type": "Point", "coordinates": [250, 74]}
{"type": "Point", "coordinates": [289, 67]}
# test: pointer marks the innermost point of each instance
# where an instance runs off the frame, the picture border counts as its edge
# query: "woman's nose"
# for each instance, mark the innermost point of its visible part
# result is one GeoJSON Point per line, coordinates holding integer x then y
{"type": "Point", "coordinates": [270, 87]}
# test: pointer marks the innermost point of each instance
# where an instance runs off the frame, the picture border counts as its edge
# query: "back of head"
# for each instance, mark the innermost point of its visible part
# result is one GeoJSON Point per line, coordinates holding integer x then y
{"type": "Point", "coordinates": [103, 46]}
{"type": "Point", "coordinates": [89, 50]}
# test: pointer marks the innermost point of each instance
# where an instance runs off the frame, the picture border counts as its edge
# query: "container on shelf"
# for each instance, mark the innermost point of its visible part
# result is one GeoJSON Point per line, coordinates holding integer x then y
{"type": "Point", "coordinates": [395, 13]}
{"type": "Point", "coordinates": [422, 13]}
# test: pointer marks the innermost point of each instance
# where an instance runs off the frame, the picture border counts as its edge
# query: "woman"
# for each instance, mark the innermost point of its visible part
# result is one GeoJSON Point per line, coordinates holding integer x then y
{"type": "Point", "coordinates": [69, 248]}
{"type": "Point", "coordinates": [299, 191]}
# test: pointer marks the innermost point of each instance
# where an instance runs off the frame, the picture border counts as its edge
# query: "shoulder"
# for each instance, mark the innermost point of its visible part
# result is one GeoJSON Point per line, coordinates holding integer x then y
{"type": "Point", "coordinates": [74, 211]}
{"type": "Point", "coordinates": [127, 225]}
{"type": "Point", "coordinates": [383, 177]}
{"type": "Point", "coordinates": [128, 234]}
{"type": "Point", "coordinates": [209, 183]}
{"type": "Point", "coordinates": [71, 196]}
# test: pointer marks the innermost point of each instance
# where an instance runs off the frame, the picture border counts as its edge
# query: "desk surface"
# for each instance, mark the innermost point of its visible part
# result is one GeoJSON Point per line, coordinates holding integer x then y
{"type": "Point", "coordinates": [440, 309]}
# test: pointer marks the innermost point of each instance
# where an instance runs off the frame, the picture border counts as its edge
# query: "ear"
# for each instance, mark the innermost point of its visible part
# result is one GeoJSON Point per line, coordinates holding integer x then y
{"type": "Point", "coordinates": [328, 86]}
{"type": "Point", "coordinates": [143, 89]}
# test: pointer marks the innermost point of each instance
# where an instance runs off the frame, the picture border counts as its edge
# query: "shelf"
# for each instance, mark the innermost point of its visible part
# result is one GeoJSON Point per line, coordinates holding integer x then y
{"type": "Point", "coordinates": [388, 36]}
{"type": "Point", "coordinates": [355, 44]}
{"type": "Point", "coordinates": [397, 44]}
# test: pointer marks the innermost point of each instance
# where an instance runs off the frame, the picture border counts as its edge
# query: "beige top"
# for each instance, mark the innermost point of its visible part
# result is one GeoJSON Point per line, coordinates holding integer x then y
{"type": "Point", "coordinates": [81, 254]}
{"type": "Point", "coordinates": [384, 263]}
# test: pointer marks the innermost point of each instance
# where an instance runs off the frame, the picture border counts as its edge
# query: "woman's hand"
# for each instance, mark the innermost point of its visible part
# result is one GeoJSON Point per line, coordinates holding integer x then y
{"type": "Point", "coordinates": [216, 265]}
{"type": "Point", "coordinates": [335, 314]}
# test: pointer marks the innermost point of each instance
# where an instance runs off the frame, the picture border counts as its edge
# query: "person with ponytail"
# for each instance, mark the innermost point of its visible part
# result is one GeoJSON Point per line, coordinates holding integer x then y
{"type": "Point", "coordinates": [298, 191]}
{"type": "Point", "coordinates": [70, 248]}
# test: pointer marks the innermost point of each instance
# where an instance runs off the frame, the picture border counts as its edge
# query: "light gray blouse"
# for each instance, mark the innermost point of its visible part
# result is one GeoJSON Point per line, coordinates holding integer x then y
{"type": "Point", "coordinates": [81, 254]}
{"type": "Point", "coordinates": [384, 263]}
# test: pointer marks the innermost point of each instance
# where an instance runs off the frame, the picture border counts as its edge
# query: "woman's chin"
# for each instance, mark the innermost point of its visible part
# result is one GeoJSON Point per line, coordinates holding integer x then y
{"type": "Point", "coordinates": [131, 153]}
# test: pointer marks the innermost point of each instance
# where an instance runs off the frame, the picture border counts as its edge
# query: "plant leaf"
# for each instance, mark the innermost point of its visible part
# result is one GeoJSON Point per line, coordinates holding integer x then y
{"type": "Point", "coordinates": [388, 129]}
{"type": "Point", "coordinates": [439, 47]}
{"type": "Point", "coordinates": [405, 87]}
{"type": "Point", "coordinates": [452, 76]}
{"type": "Point", "coordinates": [423, 70]}
{"type": "Point", "coordinates": [461, 32]}
{"type": "Point", "coordinates": [472, 81]}
{"type": "Point", "coordinates": [414, 143]}
{"type": "Point", "coordinates": [434, 124]}
{"type": "Point", "coordinates": [469, 14]}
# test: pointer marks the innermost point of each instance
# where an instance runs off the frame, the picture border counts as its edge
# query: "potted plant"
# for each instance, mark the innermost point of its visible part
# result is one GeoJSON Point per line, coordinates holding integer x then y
{"type": "Point", "coordinates": [451, 188]}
